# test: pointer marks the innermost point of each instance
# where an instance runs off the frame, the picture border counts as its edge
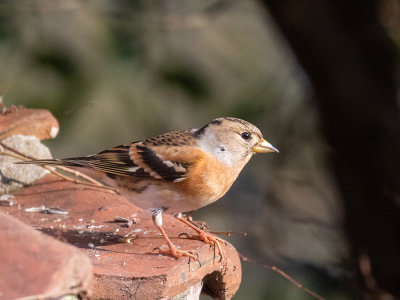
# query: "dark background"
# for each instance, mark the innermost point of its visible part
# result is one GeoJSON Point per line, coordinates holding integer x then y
{"type": "Point", "coordinates": [119, 71]}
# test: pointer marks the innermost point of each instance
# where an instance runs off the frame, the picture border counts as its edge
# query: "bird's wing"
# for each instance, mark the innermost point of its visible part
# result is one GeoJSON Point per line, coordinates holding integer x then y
{"type": "Point", "coordinates": [164, 157]}
{"type": "Point", "coordinates": [115, 161]}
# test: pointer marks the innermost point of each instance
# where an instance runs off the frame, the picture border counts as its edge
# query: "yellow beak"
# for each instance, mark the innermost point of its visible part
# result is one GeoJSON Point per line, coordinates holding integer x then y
{"type": "Point", "coordinates": [264, 147]}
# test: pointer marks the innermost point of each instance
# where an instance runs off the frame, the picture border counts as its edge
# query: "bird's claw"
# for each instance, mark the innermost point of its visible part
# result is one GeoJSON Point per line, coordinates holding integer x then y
{"type": "Point", "coordinates": [185, 235]}
{"type": "Point", "coordinates": [178, 253]}
{"type": "Point", "coordinates": [207, 239]}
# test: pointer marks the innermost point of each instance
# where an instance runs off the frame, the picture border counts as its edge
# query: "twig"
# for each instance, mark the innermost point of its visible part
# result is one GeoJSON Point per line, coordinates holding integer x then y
{"type": "Point", "coordinates": [91, 182]}
{"type": "Point", "coordinates": [79, 174]}
{"type": "Point", "coordinates": [229, 233]}
{"type": "Point", "coordinates": [203, 226]}
{"type": "Point", "coordinates": [283, 274]}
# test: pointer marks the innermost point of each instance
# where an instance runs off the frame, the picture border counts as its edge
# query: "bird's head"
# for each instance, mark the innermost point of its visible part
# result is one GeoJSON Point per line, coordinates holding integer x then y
{"type": "Point", "coordinates": [233, 141]}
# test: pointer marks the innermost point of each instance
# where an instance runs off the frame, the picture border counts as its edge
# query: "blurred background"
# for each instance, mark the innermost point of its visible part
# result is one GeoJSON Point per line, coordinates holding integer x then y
{"type": "Point", "coordinates": [115, 71]}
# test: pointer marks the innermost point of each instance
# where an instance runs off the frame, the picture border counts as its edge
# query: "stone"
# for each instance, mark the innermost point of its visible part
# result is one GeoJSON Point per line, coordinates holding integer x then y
{"type": "Point", "coordinates": [124, 263]}
{"type": "Point", "coordinates": [35, 265]}
{"type": "Point", "coordinates": [22, 129]}
{"type": "Point", "coordinates": [12, 176]}
{"type": "Point", "coordinates": [26, 121]}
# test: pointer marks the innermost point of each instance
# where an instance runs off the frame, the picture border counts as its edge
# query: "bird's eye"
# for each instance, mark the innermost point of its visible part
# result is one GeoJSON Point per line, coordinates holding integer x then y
{"type": "Point", "coordinates": [246, 135]}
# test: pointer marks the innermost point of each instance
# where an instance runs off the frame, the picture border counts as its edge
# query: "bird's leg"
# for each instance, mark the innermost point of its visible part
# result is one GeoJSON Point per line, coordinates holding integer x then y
{"type": "Point", "coordinates": [157, 219]}
{"type": "Point", "coordinates": [203, 236]}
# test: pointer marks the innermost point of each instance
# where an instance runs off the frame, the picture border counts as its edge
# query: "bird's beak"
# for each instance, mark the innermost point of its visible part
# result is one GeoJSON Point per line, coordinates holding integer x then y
{"type": "Point", "coordinates": [264, 147]}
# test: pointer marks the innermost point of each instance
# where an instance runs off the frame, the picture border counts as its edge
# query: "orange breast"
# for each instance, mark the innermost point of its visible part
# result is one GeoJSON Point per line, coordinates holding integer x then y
{"type": "Point", "coordinates": [208, 180]}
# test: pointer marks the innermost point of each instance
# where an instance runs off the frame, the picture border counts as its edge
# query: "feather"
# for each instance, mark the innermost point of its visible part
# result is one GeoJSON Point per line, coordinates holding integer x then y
{"type": "Point", "coordinates": [163, 169]}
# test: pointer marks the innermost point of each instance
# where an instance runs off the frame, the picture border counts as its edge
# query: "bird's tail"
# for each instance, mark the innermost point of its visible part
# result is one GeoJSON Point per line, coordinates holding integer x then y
{"type": "Point", "coordinates": [59, 162]}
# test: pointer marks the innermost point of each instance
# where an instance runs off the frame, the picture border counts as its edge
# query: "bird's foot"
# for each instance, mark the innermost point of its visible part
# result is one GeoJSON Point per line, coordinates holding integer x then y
{"type": "Point", "coordinates": [173, 251]}
{"type": "Point", "coordinates": [207, 238]}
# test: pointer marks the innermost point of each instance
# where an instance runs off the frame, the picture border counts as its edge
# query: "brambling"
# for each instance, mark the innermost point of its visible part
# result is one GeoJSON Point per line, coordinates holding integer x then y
{"type": "Point", "coordinates": [176, 172]}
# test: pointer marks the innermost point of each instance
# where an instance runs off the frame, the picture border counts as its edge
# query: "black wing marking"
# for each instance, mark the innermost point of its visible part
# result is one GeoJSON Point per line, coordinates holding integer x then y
{"type": "Point", "coordinates": [167, 170]}
{"type": "Point", "coordinates": [112, 161]}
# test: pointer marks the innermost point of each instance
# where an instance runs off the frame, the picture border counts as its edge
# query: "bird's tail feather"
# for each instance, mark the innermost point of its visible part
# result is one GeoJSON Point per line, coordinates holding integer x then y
{"type": "Point", "coordinates": [59, 162]}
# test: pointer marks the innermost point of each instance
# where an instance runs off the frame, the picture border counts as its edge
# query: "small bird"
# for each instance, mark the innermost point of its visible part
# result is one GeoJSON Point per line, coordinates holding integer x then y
{"type": "Point", "coordinates": [176, 172]}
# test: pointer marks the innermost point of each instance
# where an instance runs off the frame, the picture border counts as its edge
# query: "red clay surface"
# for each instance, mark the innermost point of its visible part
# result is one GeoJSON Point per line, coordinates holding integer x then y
{"type": "Point", "coordinates": [124, 270]}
